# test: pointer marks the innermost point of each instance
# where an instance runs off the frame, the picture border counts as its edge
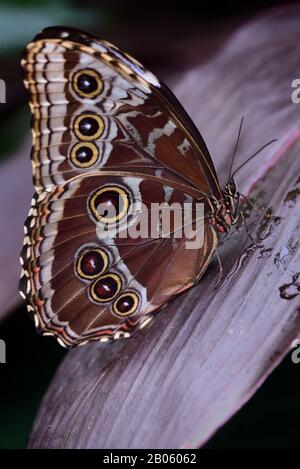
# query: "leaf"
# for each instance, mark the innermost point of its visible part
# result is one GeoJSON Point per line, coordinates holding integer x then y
{"type": "Point", "coordinates": [175, 383]}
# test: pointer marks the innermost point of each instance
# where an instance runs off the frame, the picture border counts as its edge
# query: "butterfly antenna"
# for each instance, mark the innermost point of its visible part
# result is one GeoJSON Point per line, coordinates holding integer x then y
{"type": "Point", "coordinates": [254, 155]}
{"type": "Point", "coordinates": [235, 148]}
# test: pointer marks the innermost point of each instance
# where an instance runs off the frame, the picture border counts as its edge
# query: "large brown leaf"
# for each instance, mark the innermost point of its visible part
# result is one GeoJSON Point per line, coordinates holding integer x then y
{"type": "Point", "coordinates": [175, 383]}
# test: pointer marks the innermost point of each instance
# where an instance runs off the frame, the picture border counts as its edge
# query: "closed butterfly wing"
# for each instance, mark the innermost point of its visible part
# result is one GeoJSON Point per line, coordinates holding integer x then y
{"type": "Point", "coordinates": [106, 130]}
{"type": "Point", "coordinates": [84, 287]}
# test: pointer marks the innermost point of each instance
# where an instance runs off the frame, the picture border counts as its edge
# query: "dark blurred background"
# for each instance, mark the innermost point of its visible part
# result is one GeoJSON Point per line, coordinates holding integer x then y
{"type": "Point", "coordinates": [166, 37]}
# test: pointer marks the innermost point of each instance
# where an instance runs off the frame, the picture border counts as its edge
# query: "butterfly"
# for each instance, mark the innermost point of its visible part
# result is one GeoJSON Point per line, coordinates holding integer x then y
{"type": "Point", "coordinates": [107, 131]}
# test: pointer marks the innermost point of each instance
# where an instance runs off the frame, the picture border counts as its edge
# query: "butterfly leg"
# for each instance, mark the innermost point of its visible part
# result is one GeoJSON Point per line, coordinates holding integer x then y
{"type": "Point", "coordinates": [253, 205]}
{"type": "Point", "coordinates": [220, 276]}
{"type": "Point", "coordinates": [246, 226]}
{"type": "Point", "coordinates": [240, 215]}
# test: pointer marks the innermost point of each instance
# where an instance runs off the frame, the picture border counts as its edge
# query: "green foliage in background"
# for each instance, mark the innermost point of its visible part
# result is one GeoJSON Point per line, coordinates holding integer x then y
{"type": "Point", "coordinates": [21, 20]}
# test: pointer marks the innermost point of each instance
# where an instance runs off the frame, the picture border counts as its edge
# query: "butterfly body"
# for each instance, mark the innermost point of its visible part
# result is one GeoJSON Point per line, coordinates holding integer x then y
{"type": "Point", "coordinates": [107, 133]}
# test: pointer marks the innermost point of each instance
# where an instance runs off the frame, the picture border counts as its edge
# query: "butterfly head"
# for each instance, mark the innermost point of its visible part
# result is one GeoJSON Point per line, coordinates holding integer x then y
{"type": "Point", "coordinates": [226, 210]}
{"type": "Point", "coordinates": [231, 195]}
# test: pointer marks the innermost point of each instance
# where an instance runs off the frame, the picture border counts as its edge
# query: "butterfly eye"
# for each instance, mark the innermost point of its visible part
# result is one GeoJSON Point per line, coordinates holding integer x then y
{"type": "Point", "coordinates": [88, 126]}
{"type": "Point", "coordinates": [126, 304]}
{"type": "Point", "coordinates": [91, 263]}
{"type": "Point", "coordinates": [84, 154]}
{"type": "Point", "coordinates": [105, 288]}
{"type": "Point", "coordinates": [87, 83]}
{"type": "Point", "coordinates": [109, 204]}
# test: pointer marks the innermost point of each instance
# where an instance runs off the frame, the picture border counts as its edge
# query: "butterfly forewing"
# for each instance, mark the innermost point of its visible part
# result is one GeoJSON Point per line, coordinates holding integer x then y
{"type": "Point", "coordinates": [140, 125]}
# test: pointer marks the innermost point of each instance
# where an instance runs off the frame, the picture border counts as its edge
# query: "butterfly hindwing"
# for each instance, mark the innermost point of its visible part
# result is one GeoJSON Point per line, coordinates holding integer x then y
{"type": "Point", "coordinates": [66, 241]}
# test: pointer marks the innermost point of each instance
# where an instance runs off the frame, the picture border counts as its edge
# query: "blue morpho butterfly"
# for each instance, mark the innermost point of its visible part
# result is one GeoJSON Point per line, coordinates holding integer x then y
{"type": "Point", "coordinates": [107, 131]}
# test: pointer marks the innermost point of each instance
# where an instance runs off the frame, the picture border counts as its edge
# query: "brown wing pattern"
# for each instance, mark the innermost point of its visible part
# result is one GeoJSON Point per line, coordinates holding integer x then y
{"type": "Point", "coordinates": [61, 229]}
{"type": "Point", "coordinates": [103, 127]}
{"type": "Point", "coordinates": [143, 125]}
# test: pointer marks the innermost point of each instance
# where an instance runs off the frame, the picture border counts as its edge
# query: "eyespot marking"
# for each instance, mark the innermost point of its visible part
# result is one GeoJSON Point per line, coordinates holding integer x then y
{"type": "Point", "coordinates": [87, 83]}
{"type": "Point", "coordinates": [91, 263]}
{"type": "Point", "coordinates": [109, 204]}
{"type": "Point", "coordinates": [88, 126]}
{"type": "Point", "coordinates": [105, 288]}
{"type": "Point", "coordinates": [126, 304]}
{"type": "Point", "coordinates": [84, 154]}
